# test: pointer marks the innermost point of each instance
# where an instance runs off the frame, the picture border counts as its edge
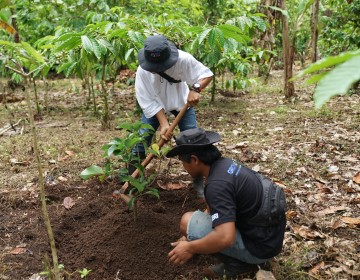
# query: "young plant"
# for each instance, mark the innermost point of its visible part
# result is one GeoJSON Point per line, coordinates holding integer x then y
{"type": "Point", "coordinates": [84, 272]}
{"type": "Point", "coordinates": [118, 154]}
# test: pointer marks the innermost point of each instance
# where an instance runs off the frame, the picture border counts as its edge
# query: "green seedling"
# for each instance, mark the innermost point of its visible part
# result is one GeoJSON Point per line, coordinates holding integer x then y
{"type": "Point", "coordinates": [118, 155]}
{"type": "Point", "coordinates": [84, 272]}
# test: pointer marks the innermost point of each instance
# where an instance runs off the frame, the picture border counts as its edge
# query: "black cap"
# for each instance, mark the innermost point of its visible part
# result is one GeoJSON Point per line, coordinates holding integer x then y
{"type": "Point", "coordinates": [192, 140]}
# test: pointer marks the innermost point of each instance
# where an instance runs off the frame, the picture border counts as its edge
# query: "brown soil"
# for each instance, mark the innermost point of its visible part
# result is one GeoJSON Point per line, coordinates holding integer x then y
{"type": "Point", "coordinates": [315, 155]}
{"type": "Point", "coordinates": [99, 233]}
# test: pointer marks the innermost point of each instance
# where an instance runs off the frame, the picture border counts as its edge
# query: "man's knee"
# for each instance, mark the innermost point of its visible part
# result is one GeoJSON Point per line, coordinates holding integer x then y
{"type": "Point", "coordinates": [184, 222]}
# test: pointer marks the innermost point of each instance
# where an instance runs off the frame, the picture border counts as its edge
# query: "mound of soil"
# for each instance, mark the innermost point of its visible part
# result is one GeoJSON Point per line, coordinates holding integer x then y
{"type": "Point", "coordinates": [99, 233]}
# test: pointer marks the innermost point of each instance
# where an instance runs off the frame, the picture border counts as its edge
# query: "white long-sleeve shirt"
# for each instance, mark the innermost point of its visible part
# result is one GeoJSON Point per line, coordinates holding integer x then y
{"type": "Point", "coordinates": [155, 93]}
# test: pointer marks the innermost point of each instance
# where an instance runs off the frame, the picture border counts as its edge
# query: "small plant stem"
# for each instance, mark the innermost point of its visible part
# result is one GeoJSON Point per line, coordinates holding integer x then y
{"type": "Point", "coordinates": [105, 118]}
{"type": "Point", "coordinates": [46, 86]}
{"type": "Point", "coordinates": [92, 90]}
{"type": "Point", "coordinates": [36, 97]}
{"type": "Point", "coordinates": [213, 89]}
{"type": "Point", "coordinates": [42, 189]}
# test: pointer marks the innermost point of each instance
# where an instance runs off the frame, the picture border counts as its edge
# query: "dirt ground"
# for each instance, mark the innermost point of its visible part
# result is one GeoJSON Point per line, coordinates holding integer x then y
{"type": "Point", "coordinates": [314, 155]}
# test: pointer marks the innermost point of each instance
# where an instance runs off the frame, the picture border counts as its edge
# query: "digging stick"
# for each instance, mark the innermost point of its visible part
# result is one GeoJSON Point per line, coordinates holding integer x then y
{"type": "Point", "coordinates": [149, 157]}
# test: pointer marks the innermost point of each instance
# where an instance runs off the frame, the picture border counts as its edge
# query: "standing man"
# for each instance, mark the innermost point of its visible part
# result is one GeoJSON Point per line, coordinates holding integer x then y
{"type": "Point", "coordinates": [167, 79]}
{"type": "Point", "coordinates": [244, 223]}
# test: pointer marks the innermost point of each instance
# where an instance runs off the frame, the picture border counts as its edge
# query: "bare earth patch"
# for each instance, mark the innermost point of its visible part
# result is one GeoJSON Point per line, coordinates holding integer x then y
{"type": "Point", "coordinates": [315, 155]}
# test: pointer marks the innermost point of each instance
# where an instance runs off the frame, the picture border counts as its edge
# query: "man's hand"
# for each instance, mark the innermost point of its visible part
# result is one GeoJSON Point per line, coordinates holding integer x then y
{"type": "Point", "coordinates": [163, 129]}
{"type": "Point", "coordinates": [181, 253]}
{"type": "Point", "coordinates": [164, 124]}
{"type": "Point", "coordinates": [193, 98]}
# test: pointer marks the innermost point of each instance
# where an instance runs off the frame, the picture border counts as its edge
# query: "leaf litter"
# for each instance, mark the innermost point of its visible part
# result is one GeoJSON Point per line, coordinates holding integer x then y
{"type": "Point", "coordinates": [314, 155]}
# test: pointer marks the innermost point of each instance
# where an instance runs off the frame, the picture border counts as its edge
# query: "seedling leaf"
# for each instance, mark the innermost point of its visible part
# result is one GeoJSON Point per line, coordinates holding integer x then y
{"type": "Point", "coordinates": [93, 170]}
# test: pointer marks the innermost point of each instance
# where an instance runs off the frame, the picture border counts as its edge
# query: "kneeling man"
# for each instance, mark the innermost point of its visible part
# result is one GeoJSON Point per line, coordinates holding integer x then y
{"type": "Point", "coordinates": [244, 223]}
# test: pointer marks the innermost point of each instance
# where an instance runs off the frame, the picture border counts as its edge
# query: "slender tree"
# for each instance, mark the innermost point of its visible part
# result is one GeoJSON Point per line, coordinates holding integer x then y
{"type": "Point", "coordinates": [314, 30]}
{"type": "Point", "coordinates": [289, 89]}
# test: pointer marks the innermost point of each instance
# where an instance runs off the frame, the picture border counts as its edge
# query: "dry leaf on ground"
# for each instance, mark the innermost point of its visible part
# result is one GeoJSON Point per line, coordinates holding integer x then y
{"type": "Point", "coordinates": [172, 186]}
{"type": "Point", "coordinates": [352, 221]}
{"type": "Point", "coordinates": [18, 251]}
{"type": "Point", "coordinates": [332, 210]}
{"type": "Point", "coordinates": [68, 202]}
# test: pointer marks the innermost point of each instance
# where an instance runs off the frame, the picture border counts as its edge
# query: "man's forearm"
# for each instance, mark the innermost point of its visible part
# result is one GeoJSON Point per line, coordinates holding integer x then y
{"type": "Point", "coordinates": [216, 241]}
{"type": "Point", "coordinates": [204, 82]}
{"type": "Point", "coordinates": [162, 118]}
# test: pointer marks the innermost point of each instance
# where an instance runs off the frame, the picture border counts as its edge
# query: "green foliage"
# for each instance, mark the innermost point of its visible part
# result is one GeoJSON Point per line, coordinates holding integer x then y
{"type": "Point", "coordinates": [84, 272]}
{"type": "Point", "coordinates": [91, 171]}
{"type": "Point", "coordinates": [118, 155]}
{"type": "Point", "coordinates": [339, 26]}
{"type": "Point", "coordinates": [336, 81]}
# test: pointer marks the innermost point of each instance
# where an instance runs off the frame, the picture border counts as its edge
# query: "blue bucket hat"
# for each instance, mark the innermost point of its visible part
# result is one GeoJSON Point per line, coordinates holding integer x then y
{"type": "Point", "coordinates": [158, 54]}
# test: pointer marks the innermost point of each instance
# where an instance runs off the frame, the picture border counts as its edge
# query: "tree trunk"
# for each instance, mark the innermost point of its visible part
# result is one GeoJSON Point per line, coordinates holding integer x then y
{"type": "Point", "coordinates": [288, 53]}
{"type": "Point", "coordinates": [314, 30]}
{"type": "Point", "coordinates": [14, 24]}
{"type": "Point", "coordinates": [267, 39]}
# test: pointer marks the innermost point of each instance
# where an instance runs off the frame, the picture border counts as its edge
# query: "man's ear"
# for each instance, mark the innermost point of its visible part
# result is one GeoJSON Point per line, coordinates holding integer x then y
{"type": "Point", "coordinates": [195, 159]}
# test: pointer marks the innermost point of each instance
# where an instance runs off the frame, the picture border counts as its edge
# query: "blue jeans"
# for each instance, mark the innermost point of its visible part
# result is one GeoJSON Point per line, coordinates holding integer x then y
{"type": "Point", "coordinates": [188, 121]}
{"type": "Point", "coordinates": [200, 225]}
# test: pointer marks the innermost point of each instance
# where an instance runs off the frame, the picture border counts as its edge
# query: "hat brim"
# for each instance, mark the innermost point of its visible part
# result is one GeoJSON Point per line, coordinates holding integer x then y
{"type": "Point", "coordinates": [189, 148]}
{"type": "Point", "coordinates": [159, 67]}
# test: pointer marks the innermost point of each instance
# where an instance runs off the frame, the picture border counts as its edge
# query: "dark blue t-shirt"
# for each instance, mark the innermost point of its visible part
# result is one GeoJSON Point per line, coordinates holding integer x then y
{"type": "Point", "coordinates": [234, 194]}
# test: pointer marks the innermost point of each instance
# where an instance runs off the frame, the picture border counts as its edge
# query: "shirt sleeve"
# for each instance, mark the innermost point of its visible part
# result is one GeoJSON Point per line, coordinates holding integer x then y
{"type": "Point", "coordinates": [146, 93]}
{"type": "Point", "coordinates": [221, 199]}
{"type": "Point", "coordinates": [195, 70]}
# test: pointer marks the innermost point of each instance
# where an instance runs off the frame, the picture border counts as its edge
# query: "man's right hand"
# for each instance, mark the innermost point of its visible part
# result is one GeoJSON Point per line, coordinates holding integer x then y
{"type": "Point", "coordinates": [163, 129]}
{"type": "Point", "coordinates": [193, 98]}
{"type": "Point", "coordinates": [164, 124]}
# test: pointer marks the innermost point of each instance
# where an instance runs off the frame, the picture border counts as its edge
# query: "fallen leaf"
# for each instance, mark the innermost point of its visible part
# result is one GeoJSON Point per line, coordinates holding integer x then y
{"type": "Point", "coordinates": [64, 158]}
{"type": "Point", "coordinates": [352, 221]}
{"type": "Point", "coordinates": [326, 190]}
{"type": "Point", "coordinates": [332, 210]}
{"type": "Point", "coordinates": [172, 186]}
{"type": "Point", "coordinates": [69, 153]}
{"type": "Point", "coordinates": [302, 170]}
{"type": "Point", "coordinates": [68, 202]}
{"type": "Point", "coordinates": [329, 242]}
{"type": "Point", "coordinates": [333, 169]}
{"type": "Point", "coordinates": [354, 273]}
{"type": "Point", "coordinates": [62, 179]}
{"type": "Point", "coordinates": [316, 268]}
{"type": "Point", "coordinates": [14, 161]}
{"type": "Point", "coordinates": [256, 168]}
{"type": "Point", "coordinates": [236, 132]}
{"type": "Point", "coordinates": [306, 233]}
{"type": "Point", "coordinates": [349, 159]}
{"type": "Point", "coordinates": [241, 144]}
{"type": "Point", "coordinates": [336, 270]}
{"type": "Point", "coordinates": [281, 184]}
{"type": "Point", "coordinates": [290, 214]}
{"type": "Point", "coordinates": [338, 223]}
{"type": "Point", "coordinates": [264, 275]}
{"type": "Point", "coordinates": [356, 178]}
{"type": "Point", "coordinates": [18, 251]}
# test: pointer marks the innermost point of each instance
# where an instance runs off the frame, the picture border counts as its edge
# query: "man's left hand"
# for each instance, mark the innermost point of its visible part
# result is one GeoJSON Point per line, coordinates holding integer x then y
{"type": "Point", "coordinates": [193, 98]}
{"type": "Point", "coordinates": [181, 253]}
